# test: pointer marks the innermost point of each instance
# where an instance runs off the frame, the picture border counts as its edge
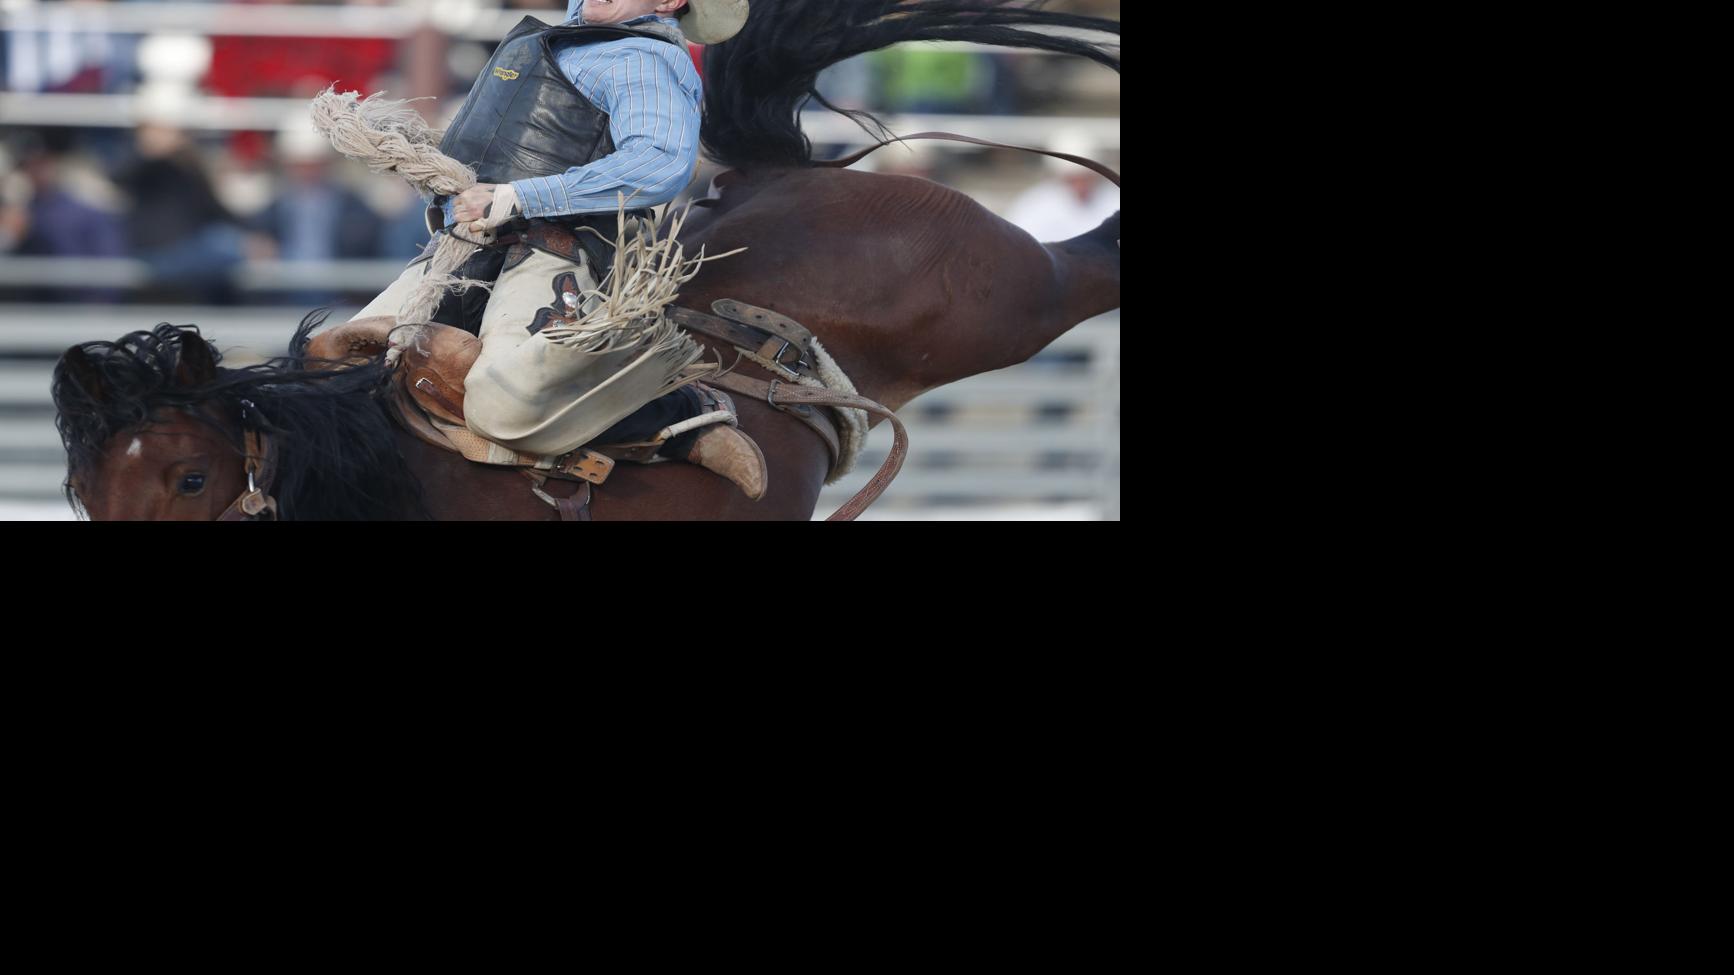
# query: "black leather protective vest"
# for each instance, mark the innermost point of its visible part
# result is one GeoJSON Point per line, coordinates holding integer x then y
{"type": "Point", "coordinates": [523, 117]}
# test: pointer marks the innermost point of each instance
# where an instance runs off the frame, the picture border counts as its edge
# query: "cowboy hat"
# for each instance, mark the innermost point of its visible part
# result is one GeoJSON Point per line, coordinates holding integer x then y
{"type": "Point", "coordinates": [712, 21]}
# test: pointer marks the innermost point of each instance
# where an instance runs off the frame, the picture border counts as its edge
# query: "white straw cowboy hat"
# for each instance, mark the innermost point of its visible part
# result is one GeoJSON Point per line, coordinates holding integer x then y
{"type": "Point", "coordinates": [712, 21]}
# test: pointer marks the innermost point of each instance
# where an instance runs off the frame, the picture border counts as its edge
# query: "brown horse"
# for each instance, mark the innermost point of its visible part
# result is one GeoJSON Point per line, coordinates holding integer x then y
{"type": "Point", "coordinates": [910, 285]}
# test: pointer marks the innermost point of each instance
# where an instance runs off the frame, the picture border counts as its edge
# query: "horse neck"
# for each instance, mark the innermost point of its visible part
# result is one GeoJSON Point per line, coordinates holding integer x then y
{"type": "Point", "coordinates": [337, 455]}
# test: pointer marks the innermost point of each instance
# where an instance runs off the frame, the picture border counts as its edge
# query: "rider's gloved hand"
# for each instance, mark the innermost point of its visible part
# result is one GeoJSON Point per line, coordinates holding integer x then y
{"type": "Point", "coordinates": [485, 206]}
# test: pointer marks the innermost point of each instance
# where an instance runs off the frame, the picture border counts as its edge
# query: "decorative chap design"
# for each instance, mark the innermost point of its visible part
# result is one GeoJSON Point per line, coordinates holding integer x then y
{"type": "Point", "coordinates": [563, 310]}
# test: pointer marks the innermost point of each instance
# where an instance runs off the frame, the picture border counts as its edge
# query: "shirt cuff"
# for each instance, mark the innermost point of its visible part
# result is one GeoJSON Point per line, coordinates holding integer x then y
{"type": "Point", "coordinates": [537, 196]}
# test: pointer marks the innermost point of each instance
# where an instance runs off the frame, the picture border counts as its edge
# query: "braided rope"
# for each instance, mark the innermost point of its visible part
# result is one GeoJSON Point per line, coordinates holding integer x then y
{"type": "Point", "coordinates": [390, 136]}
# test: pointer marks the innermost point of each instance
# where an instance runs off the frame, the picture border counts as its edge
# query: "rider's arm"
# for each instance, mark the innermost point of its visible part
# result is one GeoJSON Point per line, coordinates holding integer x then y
{"type": "Point", "coordinates": [652, 100]}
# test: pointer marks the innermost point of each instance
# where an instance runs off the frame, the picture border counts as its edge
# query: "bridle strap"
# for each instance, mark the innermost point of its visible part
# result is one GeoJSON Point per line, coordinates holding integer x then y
{"type": "Point", "coordinates": [256, 502]}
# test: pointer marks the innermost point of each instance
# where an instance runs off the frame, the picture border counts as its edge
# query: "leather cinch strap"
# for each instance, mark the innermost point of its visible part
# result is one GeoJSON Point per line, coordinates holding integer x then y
{"type": "Point", "coordinates": [778, 340]}
{"type": "Point", "coordinates": [786, 396]}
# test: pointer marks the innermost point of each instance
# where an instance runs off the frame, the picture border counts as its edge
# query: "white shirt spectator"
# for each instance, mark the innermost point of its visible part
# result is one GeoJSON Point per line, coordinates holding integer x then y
{"type": "Point", "coordinates": [1054, 209]}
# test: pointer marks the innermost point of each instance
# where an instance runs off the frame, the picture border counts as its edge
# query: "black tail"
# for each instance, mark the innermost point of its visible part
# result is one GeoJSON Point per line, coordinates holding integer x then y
{"type": "Point", "coordinates": [757, 83]}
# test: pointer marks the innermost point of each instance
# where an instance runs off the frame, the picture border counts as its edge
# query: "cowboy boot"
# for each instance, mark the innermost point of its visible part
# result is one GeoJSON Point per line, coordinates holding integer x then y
{"type": "Point", "coordinates": [723, 448]}
{"type": "Point", "coordinates": [728, 451]}
{"type": "Point", "coordinates": [710, 438]}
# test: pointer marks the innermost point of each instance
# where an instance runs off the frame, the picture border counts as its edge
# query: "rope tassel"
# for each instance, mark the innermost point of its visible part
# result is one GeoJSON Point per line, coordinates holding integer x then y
{"type": "Point", "coordinates": [390, 136]}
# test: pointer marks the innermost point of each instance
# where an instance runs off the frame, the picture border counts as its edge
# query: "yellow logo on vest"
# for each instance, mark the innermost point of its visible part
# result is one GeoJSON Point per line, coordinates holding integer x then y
{"type": "Point", "coordinates": [505, 74]}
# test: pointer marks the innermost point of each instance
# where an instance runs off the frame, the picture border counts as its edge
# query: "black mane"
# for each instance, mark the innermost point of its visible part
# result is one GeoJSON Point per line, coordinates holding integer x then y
{"type": "Point", "coordinates": [337, 456]}
{"type": "Point", "coordinates": [757, 82]}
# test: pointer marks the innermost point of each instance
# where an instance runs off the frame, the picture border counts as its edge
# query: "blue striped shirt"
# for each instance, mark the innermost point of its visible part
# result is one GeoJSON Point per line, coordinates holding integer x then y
{"type": "Point", "coordinates": [651, 92]}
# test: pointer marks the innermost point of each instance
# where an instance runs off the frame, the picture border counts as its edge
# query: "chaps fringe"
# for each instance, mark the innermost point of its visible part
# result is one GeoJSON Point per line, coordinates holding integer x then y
{"type": "Point", "coordinates": [624, 311]}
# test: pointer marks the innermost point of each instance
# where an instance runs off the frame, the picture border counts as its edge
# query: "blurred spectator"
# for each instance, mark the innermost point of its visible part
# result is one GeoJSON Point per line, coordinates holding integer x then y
{"type": "Point", "coordinates": [177, 225]}
{"type": "Point", "coordinates": [292, 67]}
{"type": "Point", "coordinates": [313, 217]}
{"type": "Point", "coordinates": [848, 84]}
{"type": "Point", "coordinates": [921, 79]}
{"type": "Point", "coordinates": [187, 228]}
{"type": "Point", "coordinates": [278, 66]}
{"type": "Point", "coordinates": [405, 233]}
{"type": "Point", "coordinates": [14, 203]}
{"type": "Point", "coordinates": [73, 212]}
{"type": "Point", "coordinates": [921, 158]}
{"type": "Point", "coordinates": [1070, 201]}
{"type": "Point", "coordinates": [1005, 87]}
{"type": "Point", "coordinates": [45, 51]}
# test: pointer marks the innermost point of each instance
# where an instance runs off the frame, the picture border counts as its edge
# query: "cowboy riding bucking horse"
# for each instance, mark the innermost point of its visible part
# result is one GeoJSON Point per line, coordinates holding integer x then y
{"type": "Point", "coordinates": [562, 124]}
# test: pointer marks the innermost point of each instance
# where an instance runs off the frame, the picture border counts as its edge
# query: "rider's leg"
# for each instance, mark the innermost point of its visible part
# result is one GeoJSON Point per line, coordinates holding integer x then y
{"type": "Point", "coordinates": [393, 297]}
{"type": "Point", "coordinates": [457, 310]}
{"type": "Point", "coordinates": [540, 397]}
{"type": "Point", "coordinates": [531, 394]}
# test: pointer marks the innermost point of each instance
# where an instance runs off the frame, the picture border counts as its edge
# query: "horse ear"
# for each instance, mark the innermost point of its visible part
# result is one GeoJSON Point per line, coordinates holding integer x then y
{"type": "Point", "coordinates": [196, 366]}
{"type": "Point", "coordinates": [77, 367]}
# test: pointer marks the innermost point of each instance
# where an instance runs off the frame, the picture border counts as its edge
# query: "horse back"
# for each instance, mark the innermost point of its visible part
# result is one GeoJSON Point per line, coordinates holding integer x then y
{"type": "Point", "coordinates": [909, 284]}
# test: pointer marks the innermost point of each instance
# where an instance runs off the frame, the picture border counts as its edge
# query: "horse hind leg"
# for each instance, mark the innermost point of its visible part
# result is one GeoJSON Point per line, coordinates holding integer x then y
{"type": "Point", "coordinates": [1029, 294]}
{"type": "Point", "coordinates": [1088, 268]}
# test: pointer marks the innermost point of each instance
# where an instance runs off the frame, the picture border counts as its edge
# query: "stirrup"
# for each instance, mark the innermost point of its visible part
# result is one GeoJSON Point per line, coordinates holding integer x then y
{"type": "Point", "coordinates": [724, 449]}
{"type": "Point", "coordinates": [727, 450]}
{"type": "Point", "coordinates": [717, 407]}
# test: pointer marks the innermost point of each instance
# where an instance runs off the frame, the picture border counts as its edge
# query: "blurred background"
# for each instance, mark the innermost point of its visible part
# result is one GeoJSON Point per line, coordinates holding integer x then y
{"type": "Point", "coordinates": [156, 164]}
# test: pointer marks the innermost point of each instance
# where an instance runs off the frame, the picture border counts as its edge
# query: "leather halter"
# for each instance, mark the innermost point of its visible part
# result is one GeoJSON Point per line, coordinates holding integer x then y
{"type": "Point", "coordinates": [255, 503]}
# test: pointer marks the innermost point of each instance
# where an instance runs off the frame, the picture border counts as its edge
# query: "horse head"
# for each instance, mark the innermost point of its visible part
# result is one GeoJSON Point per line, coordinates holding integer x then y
{"type": "Point", "coordinates": [146, 436]}
{"type": "Point", "coordinates": [154, 429]}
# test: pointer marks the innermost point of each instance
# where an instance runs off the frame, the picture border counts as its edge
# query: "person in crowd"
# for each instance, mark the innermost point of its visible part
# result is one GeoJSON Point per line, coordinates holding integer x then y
{"type": "Point", "coordinates": [916, 78]}
{"type": "Point", "coordinates": [1071, 200]}
{"type": "Point", "coordinates": [177, 225]}
{"type": "Point", "coordinates": [313, 216]}
{"type": "Point", "coordinates": [71, 211]}
{"type": "Point", "coordinates": [14, 202]}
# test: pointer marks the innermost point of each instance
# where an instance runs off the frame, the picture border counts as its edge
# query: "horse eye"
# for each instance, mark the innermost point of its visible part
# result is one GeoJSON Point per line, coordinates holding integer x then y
{"type": "Point", "coordinates": [192, 484]}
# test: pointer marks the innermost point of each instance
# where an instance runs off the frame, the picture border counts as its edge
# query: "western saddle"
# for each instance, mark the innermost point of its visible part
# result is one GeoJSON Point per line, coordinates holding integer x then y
{"type": "Point", "coordinates": [428, 386]}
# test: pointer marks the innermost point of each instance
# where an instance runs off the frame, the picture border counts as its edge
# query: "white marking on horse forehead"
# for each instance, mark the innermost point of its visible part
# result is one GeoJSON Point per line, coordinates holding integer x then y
{"type": "Point", "coordinates": [135, 448]}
